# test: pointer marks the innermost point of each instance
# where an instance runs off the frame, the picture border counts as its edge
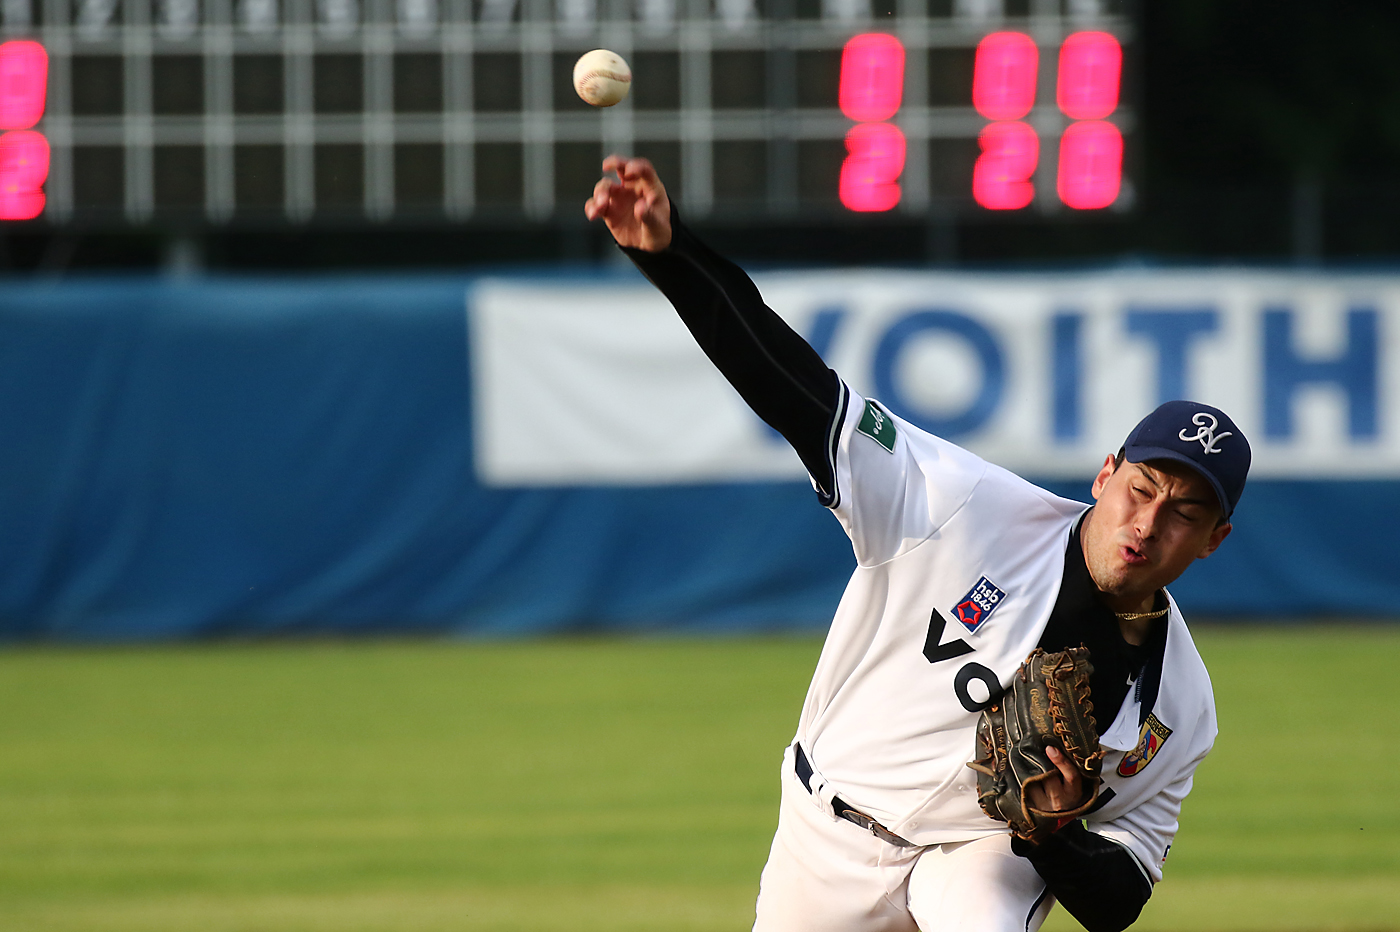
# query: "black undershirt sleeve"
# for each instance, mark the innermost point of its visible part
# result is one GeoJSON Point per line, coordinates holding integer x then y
{"type": "Point", "coordinates": [774, 370]}
{"type": "Point", "coordinates": [1097, 880]}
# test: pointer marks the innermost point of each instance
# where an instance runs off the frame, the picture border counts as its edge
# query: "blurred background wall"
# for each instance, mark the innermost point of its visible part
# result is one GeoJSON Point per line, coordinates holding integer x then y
{"type": "Point", "coordinates": [245, 386]}
{"type": "Point", "coordinates": [532, 454]}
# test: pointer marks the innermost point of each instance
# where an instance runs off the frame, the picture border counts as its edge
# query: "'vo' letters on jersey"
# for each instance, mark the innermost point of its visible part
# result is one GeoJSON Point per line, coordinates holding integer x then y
{"type": "Point", "coordinates": [978, 604]}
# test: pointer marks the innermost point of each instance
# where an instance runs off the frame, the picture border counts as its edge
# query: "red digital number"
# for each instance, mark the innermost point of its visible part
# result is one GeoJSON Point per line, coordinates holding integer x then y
{"type": "Point", "coordinates": [1091, 165]}
{"type": "Point", "coordinates": [24, 166]}
{"type": "Point", "coordinates": [1091, 68]}
{"type": "Point", "coordinates": [870, 174]}
{"type": "Point", "coordinates": [24, 154]}
{"type": "Point", "coordinates": [872, 77]}
{"type": "Point", "coordinates": [1003, 76]}
{"type": "Point", "coordinates": [1001, 179]}
{"type": "Point", "coordinates": [24, 75]}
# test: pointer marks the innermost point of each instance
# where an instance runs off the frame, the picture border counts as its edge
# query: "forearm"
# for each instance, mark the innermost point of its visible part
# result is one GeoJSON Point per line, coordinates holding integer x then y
{"type": "Point", "coordinates": [774, 370]}
{"type": "Point", "coordinates": [1096, 879]}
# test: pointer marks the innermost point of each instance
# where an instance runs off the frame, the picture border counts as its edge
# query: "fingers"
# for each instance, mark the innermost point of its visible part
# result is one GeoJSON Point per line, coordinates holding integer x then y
{"type": "Point", "coordinates": [629, 169]}
{"type": "Point", "coordinates": [637, 174]}
{"type": "Point", "coordinates": [633, 203]}
{"type": "Point", "coordinates": [644, 204]}
{"type": "Point", "coordinates": [1071, 786]}
{"type": "Point", "coordinates": [635, 177]}
{"type": "Point", "coordinates": [609, 200]}
{"type": "Point", "coordinates": [597, 205]}
{"type": "Point", "coordinates": [1064, 765]}
{"type": "Point", "coordinates": [639, 170]}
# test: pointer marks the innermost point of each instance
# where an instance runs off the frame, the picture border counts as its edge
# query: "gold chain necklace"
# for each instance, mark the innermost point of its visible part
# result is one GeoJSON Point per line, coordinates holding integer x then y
{"type": "Point", "coordinates": [1138, 616]}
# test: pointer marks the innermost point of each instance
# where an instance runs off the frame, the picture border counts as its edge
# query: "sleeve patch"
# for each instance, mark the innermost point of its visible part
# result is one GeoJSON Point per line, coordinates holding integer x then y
{"type": "Point", "coordinates": [878, 426]}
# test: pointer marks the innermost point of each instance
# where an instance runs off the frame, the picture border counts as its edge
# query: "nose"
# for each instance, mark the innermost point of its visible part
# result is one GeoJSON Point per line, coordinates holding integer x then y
{"type": "Point", "coordinates": [1145, 521]}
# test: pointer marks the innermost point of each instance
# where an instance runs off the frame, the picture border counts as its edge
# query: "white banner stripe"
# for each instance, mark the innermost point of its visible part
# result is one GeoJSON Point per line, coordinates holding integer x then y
{"type": "Point", "coordinates": [599, 383]}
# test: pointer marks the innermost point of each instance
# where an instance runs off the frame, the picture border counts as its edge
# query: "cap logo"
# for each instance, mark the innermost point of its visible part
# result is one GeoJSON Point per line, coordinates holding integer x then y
{"type": "Point", "coordinates": [1205, 432]}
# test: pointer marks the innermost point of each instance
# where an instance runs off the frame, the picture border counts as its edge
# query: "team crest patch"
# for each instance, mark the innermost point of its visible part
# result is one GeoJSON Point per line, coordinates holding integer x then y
{"type": "Point", "coordinates": [877, 425]}
{"type": "Point", "coordinates": [978, 604]}
{"type": "Point", "coordinates": [1154, 735]}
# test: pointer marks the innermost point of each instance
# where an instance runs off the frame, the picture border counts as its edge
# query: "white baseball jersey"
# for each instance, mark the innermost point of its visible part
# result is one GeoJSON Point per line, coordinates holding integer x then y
{"type": "Point", "coordinates": [889, 720]}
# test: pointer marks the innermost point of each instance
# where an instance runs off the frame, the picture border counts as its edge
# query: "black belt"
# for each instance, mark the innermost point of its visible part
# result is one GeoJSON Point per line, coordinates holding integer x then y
{"type": "Point", "coordinates": [841, 808]}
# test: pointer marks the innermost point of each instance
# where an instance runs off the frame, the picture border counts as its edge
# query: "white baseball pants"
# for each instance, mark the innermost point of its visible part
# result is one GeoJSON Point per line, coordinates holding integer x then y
{"type": "Point", "coordinates": [826, 875]}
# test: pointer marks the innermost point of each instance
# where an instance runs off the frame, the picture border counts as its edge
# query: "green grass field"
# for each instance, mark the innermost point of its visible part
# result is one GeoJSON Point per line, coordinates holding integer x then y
{"type": "Point", "coordinates": [590, 785]}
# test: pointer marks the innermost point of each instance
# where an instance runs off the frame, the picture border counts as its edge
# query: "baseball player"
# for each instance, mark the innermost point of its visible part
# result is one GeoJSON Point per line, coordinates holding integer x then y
{"type": "Point", "coordinates": [962, 570]}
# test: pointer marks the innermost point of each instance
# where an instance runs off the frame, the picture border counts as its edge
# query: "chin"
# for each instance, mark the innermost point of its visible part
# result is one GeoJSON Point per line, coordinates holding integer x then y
{"type": "Point", "coordinates": [1127, 579]}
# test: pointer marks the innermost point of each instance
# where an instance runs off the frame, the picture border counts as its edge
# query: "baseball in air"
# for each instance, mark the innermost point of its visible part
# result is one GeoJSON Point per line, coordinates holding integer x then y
{"type": "Point", "coordinates": [602, 78]}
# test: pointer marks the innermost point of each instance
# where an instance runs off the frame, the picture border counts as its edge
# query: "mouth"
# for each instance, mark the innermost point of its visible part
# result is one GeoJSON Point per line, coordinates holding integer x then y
{"type": "Point", "coordinates": [1132, 556]}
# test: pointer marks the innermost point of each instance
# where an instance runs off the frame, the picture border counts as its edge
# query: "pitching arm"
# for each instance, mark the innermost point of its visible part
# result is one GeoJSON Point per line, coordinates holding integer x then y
{"type": "Point", "coordinates": [775, 371]}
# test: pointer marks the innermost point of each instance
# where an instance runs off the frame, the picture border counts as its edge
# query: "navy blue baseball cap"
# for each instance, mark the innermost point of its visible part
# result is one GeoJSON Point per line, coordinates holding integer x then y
{"type": "Point", "coordinates": [1200, 436]}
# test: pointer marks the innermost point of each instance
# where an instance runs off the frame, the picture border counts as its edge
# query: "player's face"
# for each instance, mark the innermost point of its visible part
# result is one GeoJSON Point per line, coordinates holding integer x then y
{"type": "Point", "coordinates": [1151, 521]}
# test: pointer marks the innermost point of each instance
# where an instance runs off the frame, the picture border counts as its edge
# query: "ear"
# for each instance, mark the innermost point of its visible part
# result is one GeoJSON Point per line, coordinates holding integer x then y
{"type": "Point", "coordinates": [1217, 537]}
{"type": "Point", "coordinates": [1101, 479]}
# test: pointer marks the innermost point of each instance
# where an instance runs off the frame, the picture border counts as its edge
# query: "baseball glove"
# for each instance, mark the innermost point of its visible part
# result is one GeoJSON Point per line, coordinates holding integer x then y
{"type": "Point", "coordinates": [1047, 704]}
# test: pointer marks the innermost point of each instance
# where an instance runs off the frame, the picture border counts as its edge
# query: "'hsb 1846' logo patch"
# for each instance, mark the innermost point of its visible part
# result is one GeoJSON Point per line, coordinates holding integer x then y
{"type": "Point", "coordinates": [980, 602]}
{"type": "Point", "coordinates": [1154, 735]}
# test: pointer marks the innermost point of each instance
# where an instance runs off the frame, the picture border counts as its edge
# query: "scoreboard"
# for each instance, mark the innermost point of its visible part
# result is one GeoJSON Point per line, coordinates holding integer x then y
{"type": "Point", "coordinates": [197, 112]}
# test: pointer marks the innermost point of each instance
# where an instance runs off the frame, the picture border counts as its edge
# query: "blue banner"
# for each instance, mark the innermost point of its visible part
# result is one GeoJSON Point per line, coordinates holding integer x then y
{"type": "Point", "coordinates": [291, 456]}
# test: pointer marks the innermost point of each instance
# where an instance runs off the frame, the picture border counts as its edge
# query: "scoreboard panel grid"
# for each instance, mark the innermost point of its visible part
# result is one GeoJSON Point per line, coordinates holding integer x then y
{"type": "Point", "coordinates": [211, 111]}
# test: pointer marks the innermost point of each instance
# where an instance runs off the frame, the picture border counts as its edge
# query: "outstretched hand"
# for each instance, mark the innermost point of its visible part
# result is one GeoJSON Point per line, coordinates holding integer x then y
{"type": "Point", "coordinates": [1058, 793]}
{"type": "Point", "coordinates": [635, 207]}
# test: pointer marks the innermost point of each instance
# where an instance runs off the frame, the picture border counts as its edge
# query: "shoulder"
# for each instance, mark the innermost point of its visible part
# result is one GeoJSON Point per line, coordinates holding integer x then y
{"type": "Point", "coordinates": [994, 494]}
{"type": "Point", "coordinates": [871, 430]}
{"type": "Point", "coordinates": [898, 486]}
